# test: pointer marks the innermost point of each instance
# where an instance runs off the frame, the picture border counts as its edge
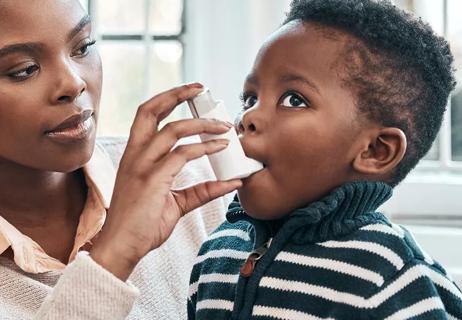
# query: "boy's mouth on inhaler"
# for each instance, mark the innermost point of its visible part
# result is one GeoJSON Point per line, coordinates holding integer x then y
{"type": "Point", "coordinates": [230, 163]}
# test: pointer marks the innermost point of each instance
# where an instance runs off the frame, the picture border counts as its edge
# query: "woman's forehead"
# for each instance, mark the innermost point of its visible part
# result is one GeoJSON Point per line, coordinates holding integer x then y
{"type": "Point", "coordinates": [31, 20]}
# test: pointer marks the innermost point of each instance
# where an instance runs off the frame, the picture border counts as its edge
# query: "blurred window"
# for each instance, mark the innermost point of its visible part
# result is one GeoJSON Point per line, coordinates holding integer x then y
{"type": "Point", "coordinates": [140, 43]}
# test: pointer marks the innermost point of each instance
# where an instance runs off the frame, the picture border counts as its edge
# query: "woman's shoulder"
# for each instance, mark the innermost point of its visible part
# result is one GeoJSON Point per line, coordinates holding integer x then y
{"type": "Point", "coordinates": [114, 147]}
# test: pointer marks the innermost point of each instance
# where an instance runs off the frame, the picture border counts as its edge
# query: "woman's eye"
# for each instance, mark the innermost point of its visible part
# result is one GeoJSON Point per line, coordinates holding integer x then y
{"type": "Point", "coordinates": [249, 101]}
{"type": "Point", "coordinates": [24, 73]}
{"type": "Point", "coordinates": [294, 100]}
{"type": "Point", "coordinates": [83, 50]}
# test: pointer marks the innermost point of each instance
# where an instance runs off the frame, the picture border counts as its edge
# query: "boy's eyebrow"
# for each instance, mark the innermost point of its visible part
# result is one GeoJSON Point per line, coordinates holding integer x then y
{"type": "Point", "coordinates": [82, 23]}
{"type": "Point", "coordinates": [28, 47]}
{"type": "Point", "coordinates": [252, 79]}
{"type": "Point", "coordinates": [296, 78]}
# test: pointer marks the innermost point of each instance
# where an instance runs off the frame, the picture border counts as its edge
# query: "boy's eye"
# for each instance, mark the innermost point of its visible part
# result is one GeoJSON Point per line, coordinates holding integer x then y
{"type": "Point", "coordinates": [24, 73]}
{"type": "Point", "coordinates": [84, 50]}
{"type": "Point", "coordinates": [248, 101]}
{"type": "Point", "coordinates": [293, 100]}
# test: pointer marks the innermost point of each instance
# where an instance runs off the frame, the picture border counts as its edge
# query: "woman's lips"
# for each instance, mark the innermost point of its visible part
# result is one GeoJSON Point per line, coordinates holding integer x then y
{"type": "Point", "coordinates": [72, 121]}
{"type": "Point", "coordinates": [76, 127]}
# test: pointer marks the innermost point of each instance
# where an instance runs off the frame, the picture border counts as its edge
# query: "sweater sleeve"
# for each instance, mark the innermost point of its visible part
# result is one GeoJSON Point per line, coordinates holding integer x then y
{"type": "Point", "coordinates": [419, 291]}
{"type": "Point", "coordinates": [191, 310]}
{"type": "Point", "coordinates": [88, 291]}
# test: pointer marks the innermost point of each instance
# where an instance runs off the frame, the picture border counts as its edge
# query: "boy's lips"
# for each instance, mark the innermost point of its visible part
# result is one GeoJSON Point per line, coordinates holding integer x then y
{"type": "Point", "coordinates": [263, 162]}
{"type": "Point", "coordinates": [265, 167]}
{"type": "Point", "coordinates": [255, 177]}
{"type": "Point", "coordinates": [256, 159]}
{"type": "Point", "coordinates": [249, 154]}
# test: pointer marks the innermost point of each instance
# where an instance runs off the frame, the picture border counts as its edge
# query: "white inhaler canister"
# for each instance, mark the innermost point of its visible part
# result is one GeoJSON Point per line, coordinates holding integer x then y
{"type": "Point", "coordinates": [231, 162]}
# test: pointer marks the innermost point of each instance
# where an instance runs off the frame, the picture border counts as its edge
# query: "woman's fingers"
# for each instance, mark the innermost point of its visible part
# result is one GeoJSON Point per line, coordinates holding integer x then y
{"type": "Point", "coordinates": [173, 162]}
{"type": "Point", "coordinates": [198, 195]}
{"type": "Point", "coordinates": [150, 113]}
{"type": "Point", "coordinates": [166, 138]}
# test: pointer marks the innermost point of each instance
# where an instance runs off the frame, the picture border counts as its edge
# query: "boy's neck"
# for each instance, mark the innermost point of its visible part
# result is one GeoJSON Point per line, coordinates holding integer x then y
{"type": "Point", "coordinates": [342, 210]}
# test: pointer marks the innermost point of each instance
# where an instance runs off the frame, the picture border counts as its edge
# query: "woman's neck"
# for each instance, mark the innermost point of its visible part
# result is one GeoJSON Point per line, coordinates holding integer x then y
{"type": "Point", "coordinates": [24, 190]}
{"type": "Point", "coordinates": [45, 206]}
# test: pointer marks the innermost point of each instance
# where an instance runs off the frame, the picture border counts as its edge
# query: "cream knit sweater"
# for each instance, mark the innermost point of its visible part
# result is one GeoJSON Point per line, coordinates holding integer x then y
{"type": "Point", "coordinates": [157, 289]}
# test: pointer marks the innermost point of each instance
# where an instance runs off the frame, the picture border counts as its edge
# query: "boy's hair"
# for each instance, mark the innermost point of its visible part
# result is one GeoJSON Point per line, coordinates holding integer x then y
{"type": "Point", "coordinates": [400, 71]}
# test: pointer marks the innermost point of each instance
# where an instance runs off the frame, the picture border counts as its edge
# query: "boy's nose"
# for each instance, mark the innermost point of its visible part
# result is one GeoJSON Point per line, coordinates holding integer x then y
{"type": "Point", "coordinates": [245, 124]}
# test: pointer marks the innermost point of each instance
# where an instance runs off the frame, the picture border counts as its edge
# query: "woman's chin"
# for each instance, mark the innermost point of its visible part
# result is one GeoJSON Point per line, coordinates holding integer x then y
{"type": "Point", "coordinates": [64, 163]}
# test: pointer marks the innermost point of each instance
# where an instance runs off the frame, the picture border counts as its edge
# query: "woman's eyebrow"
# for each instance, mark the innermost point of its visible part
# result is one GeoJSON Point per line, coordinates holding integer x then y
{"type": "Point", "coordinates": [28, 48]}
{"type": "Point", "coordinates": [82, 23]}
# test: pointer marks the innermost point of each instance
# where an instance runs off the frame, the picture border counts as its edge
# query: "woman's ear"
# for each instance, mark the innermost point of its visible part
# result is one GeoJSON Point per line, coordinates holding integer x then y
{"type": "Point", "coordinates": [383, 153]}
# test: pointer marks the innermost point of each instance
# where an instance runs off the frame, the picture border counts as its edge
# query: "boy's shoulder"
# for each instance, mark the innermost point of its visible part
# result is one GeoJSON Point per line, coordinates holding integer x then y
{"type": "Point", "coordinates": [408, 271]}
{"type": "Point", "coordinates": [376, 268]}
{"type": "Point", "coordinates": [384, 248]}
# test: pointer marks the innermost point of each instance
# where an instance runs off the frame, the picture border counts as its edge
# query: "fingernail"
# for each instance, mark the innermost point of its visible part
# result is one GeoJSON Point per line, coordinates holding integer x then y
{"type": "Point", "coordinates": [225, 124]}
{"type": "Point", "coordinates": [236, 183]}
{"type": "Point", "coordinates": [196, 85]}
{"type": "Point", "coordinates": [222, 141]}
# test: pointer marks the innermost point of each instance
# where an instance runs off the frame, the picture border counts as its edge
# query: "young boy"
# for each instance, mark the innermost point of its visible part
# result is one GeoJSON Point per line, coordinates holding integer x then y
{"type": "Point", "coordinates": [341, 103]}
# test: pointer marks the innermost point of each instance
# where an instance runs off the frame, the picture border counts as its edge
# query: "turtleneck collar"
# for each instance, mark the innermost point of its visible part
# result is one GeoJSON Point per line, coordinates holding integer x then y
{"type": "Point", "coordinates": [345, 209]}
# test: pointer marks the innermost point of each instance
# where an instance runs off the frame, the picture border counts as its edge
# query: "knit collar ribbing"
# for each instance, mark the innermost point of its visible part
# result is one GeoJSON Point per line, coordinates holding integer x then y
{"type": "Point", "coordinates": [345, 209]}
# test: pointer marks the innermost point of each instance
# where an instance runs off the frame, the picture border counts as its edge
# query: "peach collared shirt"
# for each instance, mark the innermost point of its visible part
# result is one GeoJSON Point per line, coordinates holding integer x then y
{"type": "Point", "coordinates": [99, 175]}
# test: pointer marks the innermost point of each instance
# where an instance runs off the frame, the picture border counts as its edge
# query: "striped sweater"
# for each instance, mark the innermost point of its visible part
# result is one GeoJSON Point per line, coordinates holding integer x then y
{"type": "Point", "coordinates": [337, 258]}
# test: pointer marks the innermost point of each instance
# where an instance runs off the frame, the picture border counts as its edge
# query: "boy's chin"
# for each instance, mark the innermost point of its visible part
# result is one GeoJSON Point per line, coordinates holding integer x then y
{"type": "Point", "coordinates": [260, 210]}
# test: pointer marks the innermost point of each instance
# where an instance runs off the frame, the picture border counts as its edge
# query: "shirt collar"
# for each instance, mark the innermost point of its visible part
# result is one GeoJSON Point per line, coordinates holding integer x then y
{"type": "Point", "coordinates": [99, 175]}
{"type": "Point", "coordinates": [344, 209]}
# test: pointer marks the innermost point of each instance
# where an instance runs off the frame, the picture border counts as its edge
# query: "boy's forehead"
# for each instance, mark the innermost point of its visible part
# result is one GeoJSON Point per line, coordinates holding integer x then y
{"type": "Point", "coordinates": [306, 34]}
{"type": "Point", "coordinates": [306, 47]}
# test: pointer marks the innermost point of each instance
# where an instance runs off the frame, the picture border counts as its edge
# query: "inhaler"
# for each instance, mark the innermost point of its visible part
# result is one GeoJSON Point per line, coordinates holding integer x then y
{"type": "Point", "coordinates": [231, 162]}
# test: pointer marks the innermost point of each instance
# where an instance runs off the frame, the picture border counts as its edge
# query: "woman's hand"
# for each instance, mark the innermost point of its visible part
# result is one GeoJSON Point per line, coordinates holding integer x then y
{"type": "Point", "coordinates": [144, 210]}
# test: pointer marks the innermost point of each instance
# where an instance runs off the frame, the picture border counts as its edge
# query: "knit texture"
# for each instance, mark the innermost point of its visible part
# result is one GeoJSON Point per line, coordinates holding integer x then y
{"type": "Point", "coordinates": [337, 258]}
{"type": "Point", "coordinates": [157, 289]}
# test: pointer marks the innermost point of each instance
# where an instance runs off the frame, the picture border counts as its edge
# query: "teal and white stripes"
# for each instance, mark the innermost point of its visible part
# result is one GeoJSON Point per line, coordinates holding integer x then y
{"type": "Point", "coordinates": [376, 271]}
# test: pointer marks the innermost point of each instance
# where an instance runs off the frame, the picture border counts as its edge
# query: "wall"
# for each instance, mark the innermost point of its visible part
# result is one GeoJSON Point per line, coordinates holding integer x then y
{"type": "Point", "coordinates": [222, 38]}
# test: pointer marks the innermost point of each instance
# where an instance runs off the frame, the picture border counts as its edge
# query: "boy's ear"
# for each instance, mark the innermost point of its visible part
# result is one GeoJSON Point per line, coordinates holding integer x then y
{"type": "Point", "coordinates": [384, 152]}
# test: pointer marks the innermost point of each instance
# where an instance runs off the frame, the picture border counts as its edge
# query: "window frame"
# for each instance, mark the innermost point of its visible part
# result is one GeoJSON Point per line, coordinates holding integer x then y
{"type": "Point", "coordinates": [145, 38]}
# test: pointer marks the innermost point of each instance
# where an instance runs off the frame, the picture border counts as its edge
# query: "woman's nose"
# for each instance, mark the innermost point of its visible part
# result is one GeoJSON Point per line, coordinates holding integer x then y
{"type": "Point", "coordinates": [69, 83]}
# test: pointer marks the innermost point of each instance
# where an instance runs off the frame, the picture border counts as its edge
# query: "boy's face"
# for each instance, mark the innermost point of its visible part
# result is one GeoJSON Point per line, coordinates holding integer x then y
{"type": "Point", "coordinates": [299, 120]}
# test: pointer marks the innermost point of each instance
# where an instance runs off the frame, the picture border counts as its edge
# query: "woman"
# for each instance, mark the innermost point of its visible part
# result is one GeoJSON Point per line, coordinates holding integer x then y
{"type": "Point", "coordinates": [55, 192]}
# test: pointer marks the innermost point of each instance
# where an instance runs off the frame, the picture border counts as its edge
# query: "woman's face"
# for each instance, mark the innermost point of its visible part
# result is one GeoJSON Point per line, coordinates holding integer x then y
{"type": "Point", "coordinates": [50, 84]}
